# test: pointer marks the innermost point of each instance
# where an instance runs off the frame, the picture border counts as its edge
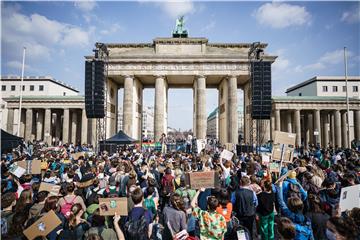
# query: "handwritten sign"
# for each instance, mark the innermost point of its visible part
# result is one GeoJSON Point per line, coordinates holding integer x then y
{"type": "Point", "coordinates": [17, 170]}
{"type": "Point", "coordinates": [51, 188]}
{"type": "Point", "coordinates": [226, 154]}
{"type": "Point", "coordinates": [108, 206]}
{"type": "Point", "coordinates": [349, 198]}
{"type": "Point", "coordinates": [274, 167]}
{"type": "Point", "coordinates": [77, 155]}
{"type": "Point", "coordinates": [197, 180]}
{"type": "Point", "coordinates": [43, 226]}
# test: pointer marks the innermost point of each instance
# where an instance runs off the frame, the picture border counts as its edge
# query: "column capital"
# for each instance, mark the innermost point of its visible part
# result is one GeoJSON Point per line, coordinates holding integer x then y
{"type": "Point", "coordinates": [200, 76]}
{"type": "Point", "coordinates": [128, 76]}
{"type": "Point", "coordinates": [231, 76]}
{"type": "Point", "coordinates": [159, 76]}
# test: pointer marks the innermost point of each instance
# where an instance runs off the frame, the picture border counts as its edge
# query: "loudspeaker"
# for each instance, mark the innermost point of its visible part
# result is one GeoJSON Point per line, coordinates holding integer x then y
{"type": "Point", "coordinates": [94, 89]}
{"type": "Point", "coordinates": [261, 90]}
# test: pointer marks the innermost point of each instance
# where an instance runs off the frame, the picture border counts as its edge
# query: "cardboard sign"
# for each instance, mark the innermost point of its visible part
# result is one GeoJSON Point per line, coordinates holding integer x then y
{"type": "Point", "coordinates": [77, 155]}
{"type": "Point", "coordinates": [282, 152]}
{"type": "Point", "coordinates": [284, 138]}
{"type": "Point", "coordinates": [16, 170]}
{"type": "Point", "coordinates": [197, 180]}
{"type": "Point", "coordinates": [31, 166]}
{"type": "Point", "coordinates": [349, 198]}
{"type": "Point", "coordinates": [51, 188]}
{"type": "Point", "coordinates": [226, 154]}
{"type": "Point", "coordinates": [108, 206]}
{"type": "Point", "coordinates": [43, 226]}
{"type": "Point", "coordinates": [274, 167]}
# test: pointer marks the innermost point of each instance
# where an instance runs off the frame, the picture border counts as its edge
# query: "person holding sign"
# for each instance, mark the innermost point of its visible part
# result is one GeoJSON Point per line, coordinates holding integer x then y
{"type": "Point", "coordinates": [212, 224]}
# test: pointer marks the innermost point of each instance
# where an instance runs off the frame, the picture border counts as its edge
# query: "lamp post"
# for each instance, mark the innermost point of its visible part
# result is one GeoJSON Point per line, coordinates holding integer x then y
{"type": "Point", "coordinates": [347, 100]}
{"type": "Point", "coordinates": [21, 87]}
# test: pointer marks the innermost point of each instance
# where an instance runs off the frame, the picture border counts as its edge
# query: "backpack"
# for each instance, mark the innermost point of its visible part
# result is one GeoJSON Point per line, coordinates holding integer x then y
{"type": "Point", "coordinates": [66, 208]}
{"type": "Point", "coordinates": [150, 205]}
{"type": "Point", "coordinates": [5, 222]}
{"type": "Point", "coordinates": [294, 191]}
{"type": "Point", "coordinates": [303, 230]}
{"type": "Point", "coordinates": [136, 229]}
{"type": "Point", "coordinates": [168, 187]}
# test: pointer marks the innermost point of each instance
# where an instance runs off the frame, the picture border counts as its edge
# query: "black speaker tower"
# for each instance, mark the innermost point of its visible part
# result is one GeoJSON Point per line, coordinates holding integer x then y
{"type": "Point", "coordinates": [261, 89]}
{"type": "Point", "coordinates": [94, 88]}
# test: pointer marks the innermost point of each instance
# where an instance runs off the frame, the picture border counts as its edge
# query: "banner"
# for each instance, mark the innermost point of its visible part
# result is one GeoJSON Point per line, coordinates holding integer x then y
{"type": "Point", "coordinates": [42, 226]}
{"type": "Point", "coordinates": [197, 180]}
{"type": "Point", "coordinates": [201, 143]}
{"type": "Point", "coordinates": [349, 198]}
{"type": "Point", "coordinates": [108, 206]}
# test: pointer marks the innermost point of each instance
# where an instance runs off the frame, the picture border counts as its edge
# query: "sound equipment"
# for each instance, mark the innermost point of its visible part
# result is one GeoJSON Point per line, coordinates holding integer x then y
{"type": "Point", "coordinates": [261, 90]}
{"type": "Point", "coordinates": [244, 149]}
{"type": "Point", "coordinates": [94, 89]}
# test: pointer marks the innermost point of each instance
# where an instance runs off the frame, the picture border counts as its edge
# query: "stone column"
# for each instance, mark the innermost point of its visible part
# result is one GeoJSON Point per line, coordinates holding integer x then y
{"type": "Point", "coordinates": [47, 126]}
{"type": "Point", "coordinates": [66, 121]}
{"type": "Point", "coordinates": [128, 115]}
{"type": "Point", "coordinates": [289, 121]}
{"type": "Point", "coordinates": [326, 130]}
{"type": "Point", "coordinates": [58, 126]}
{"type": "Point", "coordinates": [272, 124]}
{"type": "Point", "coordinates": [39, 124]}
{"type": "Point", "coordinates": [10, 121]}
{"type": "Point", "coordinates": [73, 126]}
{"type": "Point", "coordinates": [357, 125]}
{"type": "Point", "coordinates": [310, 122]}
{"type": "Point", "coordinates": [332, 128]}
{"type": "Point", "coordinates": [232, 111]}
{"type": "Point", "coordinates": [344, 130]}
{"type": "Point", "coordinates": [84, 127]}
{"type": "Point", "coordinates": [307, 130]}
{"type": "Point", "coordinates": [337, 129]}
{"type": "Point", "coordinates": [277, 120]}
{"type": "Point", "coordinates": [160, 107]}
{"type": "Point", "coordinates": [28, 124]}
{"type": "Point", "coordinates": [317, 126]}
{"type": "Point", "coordinates": [297, 127]}
{"type": "Point", "coordinates": [200, 107]}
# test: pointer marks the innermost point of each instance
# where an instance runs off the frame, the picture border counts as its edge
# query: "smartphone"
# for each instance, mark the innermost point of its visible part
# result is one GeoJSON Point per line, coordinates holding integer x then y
{"type": "Point", "coordinates": [241, 234]}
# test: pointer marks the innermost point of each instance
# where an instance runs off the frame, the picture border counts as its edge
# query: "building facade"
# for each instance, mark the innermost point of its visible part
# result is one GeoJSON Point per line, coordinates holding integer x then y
{"type": "Point", "coordinates": [213, 123]}
{"type": "Point", "coordinates": [51, 111]}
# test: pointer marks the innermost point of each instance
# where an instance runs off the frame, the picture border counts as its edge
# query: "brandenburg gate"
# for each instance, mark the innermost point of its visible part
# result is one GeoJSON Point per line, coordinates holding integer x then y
{"type": "Point", "coordinates": [179, 63]}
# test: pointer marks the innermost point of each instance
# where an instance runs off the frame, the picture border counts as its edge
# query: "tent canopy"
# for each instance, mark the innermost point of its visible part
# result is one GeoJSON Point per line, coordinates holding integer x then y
{"type": "Point", "coordinates": [9, 141]}
{"type": "Point", "coordinates": [120, 138]}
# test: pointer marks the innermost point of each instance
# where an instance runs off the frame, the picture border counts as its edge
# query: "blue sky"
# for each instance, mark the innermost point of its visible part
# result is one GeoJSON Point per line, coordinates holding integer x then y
{"type": "Point", "coordinates": [308, 37]}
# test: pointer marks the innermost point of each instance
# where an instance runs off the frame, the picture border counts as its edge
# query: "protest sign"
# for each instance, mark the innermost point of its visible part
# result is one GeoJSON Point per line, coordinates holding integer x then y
{"type": "Point", "coordinates": [274, 167]}
{"type": "Point", "coordinates": [230, 146]}
{"type": "Point", "coordinates": [85, 184]}
{"type": "Point", "coordinates": [201, 143]}
{"type": "Point", "coordinates": [283, 148]}
{"type": "Point", "coordinates": [43, 226]}
{"type": "Point", "coordinates": [16, 170]}
{"type": "Point", "coordinates": [284, 138]}
{"type": "Point", "coordinates": [226, 154]}
{"type": "Point", "coordinates": [349, 198]}
{"type": "Point", "coordinates": [108, 206]}
{"type": "Point", "coordinates": [51, 188]}
{"type": "Point", "coordinates": [197, 180]}
{"type": "Point", "coordinates": [31, 166]}
{"type": "Point", "coordinates": [77, 155]}
{"type": "Point", "coordinates": [265, 158]}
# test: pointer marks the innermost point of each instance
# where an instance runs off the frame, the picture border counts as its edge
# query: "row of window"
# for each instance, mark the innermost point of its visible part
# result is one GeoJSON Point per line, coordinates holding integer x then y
{"type": "Point", "coordinates": [31, 88]}
{"type": "Point", "coordinates": [335, 88]}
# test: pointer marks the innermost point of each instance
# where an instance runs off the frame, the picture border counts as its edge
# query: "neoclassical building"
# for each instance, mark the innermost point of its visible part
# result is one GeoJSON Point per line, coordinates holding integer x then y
{"type": "Point", "coordinates": [51, 110]}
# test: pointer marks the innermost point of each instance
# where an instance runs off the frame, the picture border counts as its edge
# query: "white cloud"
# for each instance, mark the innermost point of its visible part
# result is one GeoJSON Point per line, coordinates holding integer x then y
{"type": "Point", "coordinates": [114, 28]}
{"type": "Point", "coordinates": [281, 63]}
{"type": "Point", "coordinates": [282, 15]}
{"type": "Point", "coordinates": [39, 35]}
{"type": "Point", "coordinates": [175, 9]}
{"type": "Point", "coordinates": [17, 66]}
{"type": "Point", "coordinates": [85, 6]}
{"type": "Point", "coordinates": [209, 26]}
{"type": "Point", "coordinates": [351, 16]}
{"type": "Point", "coordinates": [327, 60]}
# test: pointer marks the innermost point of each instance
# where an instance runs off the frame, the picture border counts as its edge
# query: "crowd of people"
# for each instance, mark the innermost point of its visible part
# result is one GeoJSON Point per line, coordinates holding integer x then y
{"type": "Point", "coordinates": [301, 201]}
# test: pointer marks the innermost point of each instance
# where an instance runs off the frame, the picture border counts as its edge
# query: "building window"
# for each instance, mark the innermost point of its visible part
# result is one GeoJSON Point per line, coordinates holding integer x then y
{"type": "Point", "coordinates": [64, 93]}
{"type": "Point", "coordinates": [325, 89]}
{"type": "Point", "coordinates": [13, 87]}
{"type": "Point", "coordinates": [3, 88]}
{"type": "Point", "coordinates": [355, 88]}
{"type": "Point", "coordinates": [41, 87]}
{"type": "Point", "coordinates": [344, 88]}
{"type": "Point", "coordinates": [335, 88]}
{"type": "Point", "coordinates": [300, 94]}
{"type": "Point", "coordinates": [23, 88]}
{"type": "Point", "coordinates": [32, 87]}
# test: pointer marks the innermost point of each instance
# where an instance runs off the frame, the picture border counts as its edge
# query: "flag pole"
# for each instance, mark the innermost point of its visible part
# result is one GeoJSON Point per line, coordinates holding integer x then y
{"type": "Point", "coordinates": [21, 88]}
{"type": "Point", "coordinates": [347, 100]}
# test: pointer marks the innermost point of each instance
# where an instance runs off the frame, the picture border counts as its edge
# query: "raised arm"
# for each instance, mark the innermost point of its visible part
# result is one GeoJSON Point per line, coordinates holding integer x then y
{"type": "Point", "coordinates": [194, 201]}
